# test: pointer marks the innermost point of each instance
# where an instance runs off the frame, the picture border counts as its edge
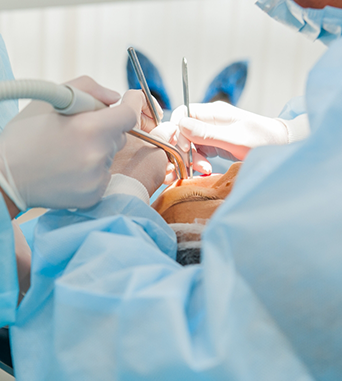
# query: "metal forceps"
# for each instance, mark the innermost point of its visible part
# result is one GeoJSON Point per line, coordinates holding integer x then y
{"type": "Point", "coordinates": [171, 151]}
{"type": "Point", "coordinates": [186, 102]}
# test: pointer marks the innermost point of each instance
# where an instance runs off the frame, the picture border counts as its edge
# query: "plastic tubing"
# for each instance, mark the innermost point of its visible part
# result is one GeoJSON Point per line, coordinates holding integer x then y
{"type": "Point", "coordinates": [59, 96]}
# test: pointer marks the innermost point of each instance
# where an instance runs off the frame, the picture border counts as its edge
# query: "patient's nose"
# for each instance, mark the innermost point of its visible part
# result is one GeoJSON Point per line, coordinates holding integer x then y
{"type": "Point", "coordinates": [225, 183]}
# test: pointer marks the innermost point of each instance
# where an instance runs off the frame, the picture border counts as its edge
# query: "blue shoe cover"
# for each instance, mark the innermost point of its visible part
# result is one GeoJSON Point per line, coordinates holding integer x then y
{"type": "Point", "coordinates": [230, 81]}
{"type": "Point", "coordinates": [153, 79]}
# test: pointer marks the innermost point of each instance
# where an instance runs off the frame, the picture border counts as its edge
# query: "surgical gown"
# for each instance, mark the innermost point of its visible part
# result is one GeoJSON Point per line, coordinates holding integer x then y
{"type": "Point", "coordinates": [108, 301]}
{"type": "Point", "coordinates": [8, 268]}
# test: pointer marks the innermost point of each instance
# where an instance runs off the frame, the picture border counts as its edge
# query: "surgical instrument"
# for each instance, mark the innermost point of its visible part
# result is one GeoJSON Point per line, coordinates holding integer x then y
{"type": "Point", "coordinates": [186, 102]}
{"type": "Point", "coordinates": [171, 151]}
{"type": "Point", "coordinates": [168, 148]}
{"type": "Point", "coordinates": [144, 86]}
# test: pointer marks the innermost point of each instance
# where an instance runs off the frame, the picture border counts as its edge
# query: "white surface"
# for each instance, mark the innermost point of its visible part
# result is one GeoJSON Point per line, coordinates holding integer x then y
{"type": "Point", "coordinates": [25, 4]}
{"type": "Point", "coordinates": [61, 43]}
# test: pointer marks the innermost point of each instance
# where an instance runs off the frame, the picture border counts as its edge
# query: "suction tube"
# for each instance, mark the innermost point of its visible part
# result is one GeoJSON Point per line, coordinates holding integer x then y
{"type": "Point", "coordinates": [64, 98]}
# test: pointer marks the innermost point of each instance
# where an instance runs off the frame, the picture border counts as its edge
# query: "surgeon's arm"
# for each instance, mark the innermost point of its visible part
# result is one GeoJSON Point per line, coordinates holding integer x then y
{"type": "Point", "coordinates": [12, 208]}
{"type": "Point", "coordinates": [23, 256]}
{"type": "Point", "coordinates": [22, 250]}
{"type": "Point", "coordinates": [133, 306]}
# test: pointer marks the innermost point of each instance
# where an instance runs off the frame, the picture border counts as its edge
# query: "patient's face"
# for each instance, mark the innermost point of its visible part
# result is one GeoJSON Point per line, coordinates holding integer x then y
{"type": "Point", "coordinates": [197, 198]}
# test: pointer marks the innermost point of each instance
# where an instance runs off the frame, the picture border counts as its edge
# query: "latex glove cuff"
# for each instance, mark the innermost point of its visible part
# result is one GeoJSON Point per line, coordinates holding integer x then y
{"type": "Point", "coordinates": [297, 128]}
{"type": "Point", "coordinates": [121, 184]}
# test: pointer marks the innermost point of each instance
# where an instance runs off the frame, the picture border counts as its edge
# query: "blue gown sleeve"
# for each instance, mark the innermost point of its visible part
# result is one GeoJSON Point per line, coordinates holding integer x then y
{"type": "Point", "coordinates": [8, 109]}
{"type": "Point", "coordinates": [9, 288]}
{"type": "Point", "coordinates": [108, 301]}
{"type": "Point", "coordinates": [293, 108]}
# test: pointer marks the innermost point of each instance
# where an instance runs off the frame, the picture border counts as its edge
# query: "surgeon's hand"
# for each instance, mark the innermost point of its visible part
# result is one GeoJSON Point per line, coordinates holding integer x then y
{"type": "Point", "coordinates": [220, 129]}
{"type": "Point", "coordinates": [56, 161]}
{"type": "Point", "coordinates": [137, 101]}
{"type": "Point", "coordinates": [143, 161]}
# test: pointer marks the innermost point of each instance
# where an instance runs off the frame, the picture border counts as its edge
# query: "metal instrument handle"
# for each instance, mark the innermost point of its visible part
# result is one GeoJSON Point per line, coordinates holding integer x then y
{"type": "Point", "coordinates": [172, 152]}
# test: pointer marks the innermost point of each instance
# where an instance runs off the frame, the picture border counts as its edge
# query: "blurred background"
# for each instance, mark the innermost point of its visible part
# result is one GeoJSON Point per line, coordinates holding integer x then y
{"type": "Point", "coordinates": [60, 43]}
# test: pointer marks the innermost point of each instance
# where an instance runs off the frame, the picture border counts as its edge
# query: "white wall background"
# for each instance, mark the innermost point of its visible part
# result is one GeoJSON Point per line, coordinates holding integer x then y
{"type": "Point", "coordinates": [61, 43]}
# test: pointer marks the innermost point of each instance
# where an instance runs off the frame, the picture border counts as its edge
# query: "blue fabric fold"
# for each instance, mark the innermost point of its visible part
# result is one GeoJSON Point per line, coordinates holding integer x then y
{"type": "Point", "coordinates": [9, 288]}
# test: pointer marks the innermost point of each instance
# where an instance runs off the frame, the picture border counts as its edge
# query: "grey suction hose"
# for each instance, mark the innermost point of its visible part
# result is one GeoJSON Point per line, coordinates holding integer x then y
{"type": "Point", "coordinates": [64, 98]}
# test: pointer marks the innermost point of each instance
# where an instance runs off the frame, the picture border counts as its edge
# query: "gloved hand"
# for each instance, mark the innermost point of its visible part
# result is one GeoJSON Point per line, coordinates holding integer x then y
{"type": "Point", "coordinates": [143, 161]}
{"type": "Point", "coordinates": [220, 129]}
{"type": "Point", "coordinates": [56, 161]}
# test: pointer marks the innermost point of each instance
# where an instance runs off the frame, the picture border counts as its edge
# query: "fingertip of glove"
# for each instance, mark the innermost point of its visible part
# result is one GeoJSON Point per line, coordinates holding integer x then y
{"type": "Point", "coordinates": [112, 97]}
{"type": "Point", "coordinates": [179, 113]}
{"type": "Point", "coordinates": [187, 124]}
{"type": "Point", "coordinates": [183, 143]}
{"type": "Point", "coordinates": [203, 166]}
{"type": "Point", "coordinates": [169, 168]}
{"type": "Point", "coordinates": [170, 178]}
{"type": "Point", "coordinates": [166, 131]}
{"type": "Point", "coordinates": [207, 168]}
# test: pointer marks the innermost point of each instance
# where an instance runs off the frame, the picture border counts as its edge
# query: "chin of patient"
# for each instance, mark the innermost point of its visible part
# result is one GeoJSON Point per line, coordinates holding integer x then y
{"type": "Point", "coordinates": [186, 205]}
